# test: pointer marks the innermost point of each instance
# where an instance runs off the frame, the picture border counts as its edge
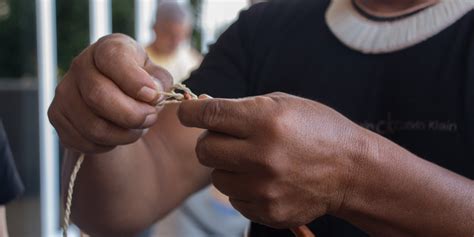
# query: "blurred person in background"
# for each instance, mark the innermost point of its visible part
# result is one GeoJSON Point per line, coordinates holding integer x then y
{"type": "Point", "coordinates": [10, 184]}
{"type": "Point", "coordinates": [207, 213]}
{"type": "Point", "coordinates": [171, 48]}
{"type": "Point", "coordinates": [379, 140]}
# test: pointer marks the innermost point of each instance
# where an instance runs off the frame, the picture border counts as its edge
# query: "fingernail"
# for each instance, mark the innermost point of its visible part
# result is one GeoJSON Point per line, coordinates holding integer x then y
{"type": "Point", "coordinates": [159, 87]}
{"type": "Point", "coordinates": [204, 96]}
{"type": "Point", "coordinates": [147, 94]}
{"type": "Point", "coordinates": [149, 120]}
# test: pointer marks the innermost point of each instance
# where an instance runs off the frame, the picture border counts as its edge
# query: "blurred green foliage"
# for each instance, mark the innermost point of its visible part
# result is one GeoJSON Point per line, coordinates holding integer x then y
{"type": "Point", "coordinates": [72, 30]}
{"type": "Point", "coordinates": [73, 27]}
{"type": "Point", "coordinates": [17, 39]}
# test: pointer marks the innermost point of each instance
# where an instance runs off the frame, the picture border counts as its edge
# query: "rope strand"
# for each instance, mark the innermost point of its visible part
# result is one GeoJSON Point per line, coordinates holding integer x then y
{"type": "Point", "coordinates": [174, 97]}
{"type": "Point", "coordinates": [70, 192]}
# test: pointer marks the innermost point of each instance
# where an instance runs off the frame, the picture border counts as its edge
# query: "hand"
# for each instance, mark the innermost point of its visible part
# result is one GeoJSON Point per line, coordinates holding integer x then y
{"type": "Point", "coordinates": [282, 160]}
{"type": "Point", "coordinates": [107, 97]}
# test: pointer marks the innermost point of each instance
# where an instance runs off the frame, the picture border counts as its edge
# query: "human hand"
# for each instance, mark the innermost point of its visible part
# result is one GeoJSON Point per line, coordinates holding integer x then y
{"type": "Point", "coordinates": [108, 96]}
{"type": "Point", "coordinates": [282, 160]}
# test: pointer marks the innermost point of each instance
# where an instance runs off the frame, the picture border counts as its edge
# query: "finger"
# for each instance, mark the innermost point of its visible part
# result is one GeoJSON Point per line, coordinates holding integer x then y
{"type": "Point", "coordinates": [302, 231]}
{"type": "Point", "coordinates": [71, 138]}
{"type": "Point", "coordinates": [121, 58]}
{"type": "Point", "coordinates": [93, 127]}
{"type": "Point", "coordinates": [247, 209]}
{"type": "Point", "coordinates": [262, 213]}
{"type": "Point", "coordinates": [231, 117]}
{"type": "Point", "coordinates": [107, 100]}
{"type": "Point", "coordinates": [234, 185]}
{"type": "Point", "coordinates": [221, 151]}
{"type": "Point", "coordinates": [164, 77]}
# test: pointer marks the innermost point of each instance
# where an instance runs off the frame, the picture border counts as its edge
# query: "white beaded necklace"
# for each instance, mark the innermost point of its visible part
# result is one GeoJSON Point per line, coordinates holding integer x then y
{"type": "Point", "coordinates": [375, 37]}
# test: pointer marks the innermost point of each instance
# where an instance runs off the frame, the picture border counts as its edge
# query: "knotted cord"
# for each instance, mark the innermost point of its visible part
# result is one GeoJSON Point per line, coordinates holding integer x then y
{"type": "Point", "coordinates": [171, 97]}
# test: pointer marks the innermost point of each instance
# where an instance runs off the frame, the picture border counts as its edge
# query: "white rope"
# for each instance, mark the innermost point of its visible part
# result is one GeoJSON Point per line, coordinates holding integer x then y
{"type": "Point", "coordinates": [174, 97]}
{"type": "Point", "coordinates": [70, 191]}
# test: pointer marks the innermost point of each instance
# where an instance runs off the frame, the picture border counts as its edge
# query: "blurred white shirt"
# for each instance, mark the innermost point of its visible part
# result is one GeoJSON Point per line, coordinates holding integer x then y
{"type": "Point", "coordinates": [180, 64]}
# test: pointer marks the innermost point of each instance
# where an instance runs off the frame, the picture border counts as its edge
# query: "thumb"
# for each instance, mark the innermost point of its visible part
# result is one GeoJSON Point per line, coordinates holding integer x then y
{"type": "Point", "coordinates": [204, 97]}
{"type": "Point", "coordinates": [161, 77]}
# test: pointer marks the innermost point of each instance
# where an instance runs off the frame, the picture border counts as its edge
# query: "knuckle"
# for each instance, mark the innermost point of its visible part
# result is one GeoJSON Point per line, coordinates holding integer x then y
{"type": "Point", "coordinates": [217, 180]}
{"type": "Point", "coordinates": [108, 53]}
{"type": "Point", "coordinates": [69, 145]}
{"type": "Point", "coordinates": [109, 48]}
{"type": "Point", "coordinates": [278, 94]}
{"type": "Point", "coordinates": [276, 166]}
{"type": "Point", "coordinates": [210, 114]}
{"type": "Point", "coordinates": [263, 101]}
{"type": "Point", "coordinates": [75, 145]}
{"type": "Point", "coordinates": [275, 215]}
{"type": "Point", "coordinates": [76, 63]}
{"type": "Point", "coordinates": [269, 160]}
{"type": "Point", "coordinates": [95, 94]}
{"type": "Point", "coordinates": [99, 132]}
{"type": "Point", "coordinates": [114, 36]}
{"type": "Point", "coordinates": [202, 151]}
{"type": "Point", "coordinates": [52, 114]}
{"type": "Point", "coordinates": [278, 125]}
{"type": "Point", "coordinates": [67, 141]}
{"type": "Point", "coordinates": [133, 119]}
{"type": "Point", "coordinates": [60, 90]}
{"type": "Point", "coordinates": [276, 119]}
{"type": "Point", "coordinates": [163, 75]}
{"type": "Point", "coordinates": [269, 194]}
{"type": "Point", "coordinates": [133, 136]}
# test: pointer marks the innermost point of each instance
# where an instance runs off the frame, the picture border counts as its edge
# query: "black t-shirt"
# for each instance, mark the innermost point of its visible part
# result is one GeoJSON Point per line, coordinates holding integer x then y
{"type": "Point", "coordinates": [421, 97]}
{"type": "Point", "coordinates": [10, 184]}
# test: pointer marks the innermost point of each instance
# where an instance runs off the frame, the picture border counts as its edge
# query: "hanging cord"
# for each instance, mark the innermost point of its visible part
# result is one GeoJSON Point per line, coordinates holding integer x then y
{"type": "Point", "coordinates": [172, 97]}
{"type": "Point", "coordinates": [70, 191]}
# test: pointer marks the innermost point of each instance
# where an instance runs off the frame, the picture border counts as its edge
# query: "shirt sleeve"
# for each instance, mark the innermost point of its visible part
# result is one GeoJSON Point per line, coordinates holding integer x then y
{"type": "Point", "coordinates": [224, 70]}
{"type": "Point", "coordinates": [10, 183]}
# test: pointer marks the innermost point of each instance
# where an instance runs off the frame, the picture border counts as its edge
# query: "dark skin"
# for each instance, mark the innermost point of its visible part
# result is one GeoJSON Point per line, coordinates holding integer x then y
{"type": "Point", "coordinates": [282, 160]}
{"type": "Point", "coordinates": [285, 175]}
{"type": "Point", "coordinates": [392, 6]}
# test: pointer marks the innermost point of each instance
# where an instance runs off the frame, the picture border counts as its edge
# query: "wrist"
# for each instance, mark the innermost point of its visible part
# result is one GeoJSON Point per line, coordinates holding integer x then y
{"type": "Point", "coordinates": [363, 154]}
{"type": "Point", "coordinates": [392, 192]}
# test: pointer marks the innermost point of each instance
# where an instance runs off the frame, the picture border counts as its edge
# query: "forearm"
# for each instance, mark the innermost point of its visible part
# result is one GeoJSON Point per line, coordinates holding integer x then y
{"type": "Point", "coordinates": [396, 193]}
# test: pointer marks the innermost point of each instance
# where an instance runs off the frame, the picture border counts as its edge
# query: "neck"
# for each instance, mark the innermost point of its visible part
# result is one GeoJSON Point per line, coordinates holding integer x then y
{"type": "Point", "coordinates": [391, 7]}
